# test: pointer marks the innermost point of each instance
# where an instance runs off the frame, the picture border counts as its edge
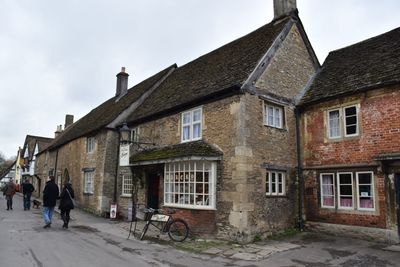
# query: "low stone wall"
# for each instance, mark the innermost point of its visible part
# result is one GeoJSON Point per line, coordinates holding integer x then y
{"type": "Point", "coordinates": [366, 233]}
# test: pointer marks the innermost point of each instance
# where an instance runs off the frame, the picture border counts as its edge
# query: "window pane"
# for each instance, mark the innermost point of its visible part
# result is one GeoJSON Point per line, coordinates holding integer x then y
{"type": "Point", "coordinates": [345, 178]}
{"type": "Point", "coordinates": [196, 115]}
{"type": "Point", "coordinates": [351, 130]}
{"type": "Point", "coordinates": [267, 184]}
{"type": "Point", "coordinates": [196, 130]}
{"type": "Point", "coordinates": [334, 125]}
{"type": "Point", "coordinates": [364, 178]}
{"type": "Point", "coordinates": [346, 202]}
{"type": "Point", "coordinates": [270, 121]}
{"type": "Point", "coordinates": [186, 118]}
{"type": "Point", "coordinates": [346, 190]}
{"type": "Point", "coordinates": [186, 133]}
{"type": "Point", "coordinates": [278, 117]}
{"type": "Point", "coordinates": [350, 111]}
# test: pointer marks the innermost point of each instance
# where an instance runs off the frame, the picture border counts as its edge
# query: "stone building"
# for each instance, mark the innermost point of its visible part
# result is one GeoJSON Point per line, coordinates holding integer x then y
{"type": "Point", "coordinates": [224, 134]}
{"type": "Point", "coordinates": [27, 159]}
{"type": "Point", "coordinates": [85, 153]}
{"type": "Point", "coordinates": [351, 140]}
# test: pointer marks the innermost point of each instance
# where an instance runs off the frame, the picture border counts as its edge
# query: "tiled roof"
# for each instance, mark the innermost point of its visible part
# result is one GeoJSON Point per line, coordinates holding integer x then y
{"type": "Point", "coordinates": [102, 115]}
{"type": "Point", "coordinates": [197, 148]}
{"type": "Point", "coordinates": [371, 63]}
{"type": "Point", "coordinates": [30, 141]}
{"type": "Point", "coordinates": [226, 68]}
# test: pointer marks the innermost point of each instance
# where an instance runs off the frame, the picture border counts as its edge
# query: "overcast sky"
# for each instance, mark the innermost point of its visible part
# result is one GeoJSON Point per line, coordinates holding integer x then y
{"type": "Point", "coordinates": [61, 57]}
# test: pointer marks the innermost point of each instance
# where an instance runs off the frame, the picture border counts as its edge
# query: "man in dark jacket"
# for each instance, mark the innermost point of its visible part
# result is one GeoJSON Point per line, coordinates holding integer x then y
{"type": "Point", "coordinates": [9, 192]}
{"type": "Point", "coordinates": [50, 195]}
{"type": "Point", "coordinates": [27, 189]}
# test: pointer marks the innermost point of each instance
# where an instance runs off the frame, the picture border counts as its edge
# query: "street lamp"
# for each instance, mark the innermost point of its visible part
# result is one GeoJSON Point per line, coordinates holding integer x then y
{"type": "Point", "coordinates": [125, 132]}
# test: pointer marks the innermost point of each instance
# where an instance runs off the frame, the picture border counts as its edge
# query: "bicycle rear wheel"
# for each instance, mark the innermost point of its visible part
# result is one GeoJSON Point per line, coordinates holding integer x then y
{"type": "Point", "coordinates": [178, 230]}
{"type": "Point", "coordinates": [146, 226]}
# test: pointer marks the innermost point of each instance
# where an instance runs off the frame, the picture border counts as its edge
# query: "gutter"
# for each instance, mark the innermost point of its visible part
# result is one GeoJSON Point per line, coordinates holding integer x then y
{"type": "Point", "coordinates": [299, 172]}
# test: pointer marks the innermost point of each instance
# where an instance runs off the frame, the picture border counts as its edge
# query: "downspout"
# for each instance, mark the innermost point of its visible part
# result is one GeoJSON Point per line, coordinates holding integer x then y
{"type": "Point", "coordinates": [116, 170]}
{"type": "Point", "coordinates": [299, 172]}
{"type": "Point", "coordinates": [55, 165]}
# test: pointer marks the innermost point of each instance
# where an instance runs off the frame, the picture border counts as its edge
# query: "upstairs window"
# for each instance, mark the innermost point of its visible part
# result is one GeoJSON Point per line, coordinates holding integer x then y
{"type": "Point", "coordinates": [191, 125]}
{"type": "Point", "coordinates": [343, 122]}
{"type": "Point", "coordinates": [273, 116]}
{"type": "Point", "coordinates": [90, 142]}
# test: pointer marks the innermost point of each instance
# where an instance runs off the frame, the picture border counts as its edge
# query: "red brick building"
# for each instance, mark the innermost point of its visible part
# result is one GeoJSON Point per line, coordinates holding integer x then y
{"type": "Point", "coordinates": [350, 128]}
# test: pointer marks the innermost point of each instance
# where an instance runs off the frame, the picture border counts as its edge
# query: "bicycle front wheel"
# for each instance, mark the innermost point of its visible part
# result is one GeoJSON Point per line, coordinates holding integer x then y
{"type": "Point", "coordinates": [178, 230]}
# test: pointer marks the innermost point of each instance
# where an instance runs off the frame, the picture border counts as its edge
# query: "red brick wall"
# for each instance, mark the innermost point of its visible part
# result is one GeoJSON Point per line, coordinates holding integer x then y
{"type": "Point", "coordinates": [199, 221]}
{"type": "Point", "coordinates": [379, 134]}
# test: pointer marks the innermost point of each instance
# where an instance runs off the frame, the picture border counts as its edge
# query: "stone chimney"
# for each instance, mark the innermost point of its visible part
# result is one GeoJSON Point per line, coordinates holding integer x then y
{"type": "Point", "coordinates": [122, 83]}
{"type": "Point", "coordinates": [58, 131]}
{"type": "Point", "coordinates": [283, 7]}
{"type": "Point", "coordinates": [69, 119]}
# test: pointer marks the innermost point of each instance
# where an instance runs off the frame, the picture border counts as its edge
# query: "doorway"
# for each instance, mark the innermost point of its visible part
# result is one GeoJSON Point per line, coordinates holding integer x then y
{"type": "Point", "coordinates": [153, 187]}
{"type": "Point", "coordinates": [397, 180]}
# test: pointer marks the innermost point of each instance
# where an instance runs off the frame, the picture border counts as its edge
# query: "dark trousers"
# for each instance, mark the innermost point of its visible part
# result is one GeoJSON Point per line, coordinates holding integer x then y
{"type": "Point", "coordinates": [27, 201]}
{"type": "Point", "coordinates": [65, 216]}
{"type": "Point", "coordinates": [9, 202]}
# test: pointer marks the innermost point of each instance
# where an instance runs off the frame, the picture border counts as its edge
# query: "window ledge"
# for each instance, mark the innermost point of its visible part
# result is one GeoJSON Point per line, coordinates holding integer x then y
{"type": "Point", "coordinates": [126, 196]}
{"type": "Point", "coordinates": [276, 196]}
{"type": "Point", "coordinates": [88, 194]}
{"type": "Point", "coordinates": [188, 207]}
{"type": "Point", "coordinates": [284, 129]}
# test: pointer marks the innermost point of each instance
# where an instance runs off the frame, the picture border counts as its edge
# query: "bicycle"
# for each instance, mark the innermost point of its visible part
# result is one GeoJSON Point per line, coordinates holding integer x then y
{"type": "Point", "coordinates": [177, 229]}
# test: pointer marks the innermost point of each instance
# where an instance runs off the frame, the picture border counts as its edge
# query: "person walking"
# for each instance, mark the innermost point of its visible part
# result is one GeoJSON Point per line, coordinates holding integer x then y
{"type": "Point", "coordinates": [27, 189]}
{"type": "Point", "coordinates": [50, 195]}
{"type": "Point", "coordinates": [66, 203]}
{"type": "Point", "coordinates": [9, 192]}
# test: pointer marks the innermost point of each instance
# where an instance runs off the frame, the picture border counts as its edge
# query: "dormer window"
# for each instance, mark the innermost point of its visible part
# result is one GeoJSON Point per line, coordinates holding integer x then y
{"type": "Point", "coordinates": [191, 125]}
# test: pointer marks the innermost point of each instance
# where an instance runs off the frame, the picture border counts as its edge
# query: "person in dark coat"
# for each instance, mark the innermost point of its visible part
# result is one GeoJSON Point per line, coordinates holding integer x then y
{"type": "Point", "coordinates": [27, 189]}
{"type": "Point", "coordinates": [50, 196]}
{"type": "Point", "coordinates": [9, 192]}
{"type": "Point", "coordinates": [66, 203]}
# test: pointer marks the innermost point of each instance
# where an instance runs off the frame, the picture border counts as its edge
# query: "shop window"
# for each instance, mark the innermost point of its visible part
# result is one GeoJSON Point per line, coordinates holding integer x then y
{"type": "Point", "coordinates": [190, 184]}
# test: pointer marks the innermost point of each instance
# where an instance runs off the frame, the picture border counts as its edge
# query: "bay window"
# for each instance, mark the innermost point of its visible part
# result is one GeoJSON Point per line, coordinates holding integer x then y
{"type": "Point", "coordinates": [190, 184]}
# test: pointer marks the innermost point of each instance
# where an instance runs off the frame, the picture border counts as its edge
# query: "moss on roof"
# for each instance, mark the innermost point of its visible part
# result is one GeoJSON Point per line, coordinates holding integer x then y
{"type": "Point", "coordinates": [197, 148]}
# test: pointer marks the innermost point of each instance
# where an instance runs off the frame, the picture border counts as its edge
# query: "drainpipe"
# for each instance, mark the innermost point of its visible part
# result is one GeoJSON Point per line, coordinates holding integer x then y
{"type": "Point", "coordinates": [116, 169]}
{"type": "Point", "coordinates": [55, 165]}
{"type": "Point", "coordinates": [299, 172]}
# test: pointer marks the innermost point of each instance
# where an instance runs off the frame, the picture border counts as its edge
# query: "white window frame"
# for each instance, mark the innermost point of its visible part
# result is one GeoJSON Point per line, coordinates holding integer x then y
{"type": "Point", "coordinates": [88, 187]}
{"type": "Point", "coordinates": [173, 189]}
{"type": "Point", "coordinates": [90, 144]}
{"type": "Point", "coordinates": [372, 190]}
{"type": "Point", "coordinates": [275, 184]}
{"type": "Point", "coordinates": [339, 194]}
{"type": "Point", "coordinates": [191, 125]}
{"type": "Point", "coordinates": [321, 190]}
{"type": "Point", "coordinates": [339, 123]}
{"type": "Point", "coordinates": [127, 186]}
{"type": "Point", "coordinates": [344, 121]}
{"type": "Point", "coordinates": [275, 109]}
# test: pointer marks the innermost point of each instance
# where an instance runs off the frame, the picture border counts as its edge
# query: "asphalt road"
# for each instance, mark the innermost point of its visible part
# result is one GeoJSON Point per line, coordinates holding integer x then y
{"type": "Point", "coordinates": [24, 242]}
{"type": "Point", "coordinates": [93, 241]}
